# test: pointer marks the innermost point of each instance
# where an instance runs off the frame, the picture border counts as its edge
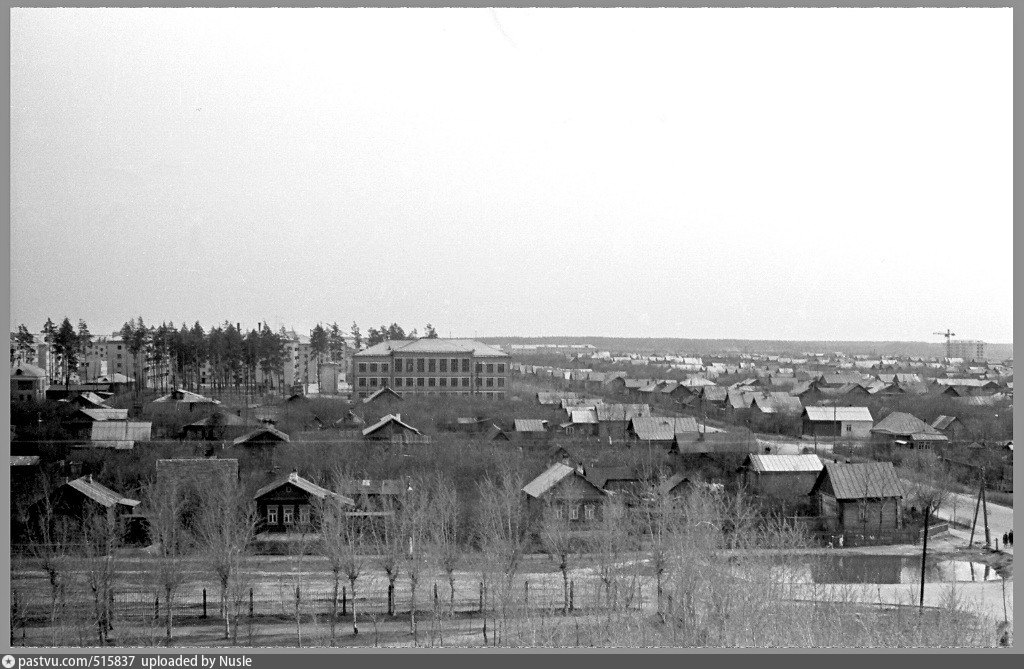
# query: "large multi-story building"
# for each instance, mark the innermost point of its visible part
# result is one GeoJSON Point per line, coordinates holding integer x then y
{"type": "Point", "coordinates": [432, 366]}
{"type": "Point", "coordinates": [968, 349]}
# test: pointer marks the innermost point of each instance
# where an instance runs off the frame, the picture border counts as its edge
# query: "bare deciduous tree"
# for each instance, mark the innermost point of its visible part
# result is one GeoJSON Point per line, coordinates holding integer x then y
{"type": "Point", "coordinates": [226, 528]}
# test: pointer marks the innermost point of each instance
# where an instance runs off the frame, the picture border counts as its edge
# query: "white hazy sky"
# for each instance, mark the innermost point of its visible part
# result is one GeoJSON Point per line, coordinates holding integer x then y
{"type": "Point", "coordinates": [765, 174]}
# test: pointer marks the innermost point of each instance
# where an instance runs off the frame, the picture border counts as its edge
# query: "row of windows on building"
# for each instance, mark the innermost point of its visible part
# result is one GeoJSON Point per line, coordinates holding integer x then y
{"type": "Point", "coordinates": [432, 382]}
{"type": "Point", "coordinates": [449, 393]}
{"type": "Point", "coordinates": [574, 511]}
{"type": "Point", "coordinates": [288, 515]}
{"type": "Point", "coordinates": [432, 365]}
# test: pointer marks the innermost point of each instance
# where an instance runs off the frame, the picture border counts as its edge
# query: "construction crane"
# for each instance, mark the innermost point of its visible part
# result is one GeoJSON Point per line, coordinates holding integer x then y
{"type": "Point", "coordinates": [948, 334]}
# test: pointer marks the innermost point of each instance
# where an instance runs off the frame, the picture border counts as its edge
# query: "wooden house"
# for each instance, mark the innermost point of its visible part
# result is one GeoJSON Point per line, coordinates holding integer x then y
{"type": "Point", "coordinates": [660, 430]}
{"type": "Point", "coordinates": [392, 429]}
{"type": "Point", "coordinates": [85, 500]}
{"type": "Point", "coordinates": [952, 428]}
{"type": "Point", "coordinates": [291, 503]}
{"type": "Point", "coordinates": [531, 429]}
{"type": "Point", "coordinates": [906, 430]}
{"type": "Point", "coordinates": [836, 422]}
{"type": "Point", "coordinates": [613, 419]}
{"type": "Point", "coordinates": [255, 449]}
{"type": "Point", "coordinates": [861, 499]}
{"type": "Point", "coordinates": [780, 476]}
{"type": "Point", "coordinates": [567, 493]}
{"type": "Point", "coordinates": [384, 399]}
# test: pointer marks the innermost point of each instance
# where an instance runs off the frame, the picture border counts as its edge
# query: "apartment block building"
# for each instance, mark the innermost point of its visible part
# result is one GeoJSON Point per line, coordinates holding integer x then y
{"type": "Point", "coordinates": [432, 367]}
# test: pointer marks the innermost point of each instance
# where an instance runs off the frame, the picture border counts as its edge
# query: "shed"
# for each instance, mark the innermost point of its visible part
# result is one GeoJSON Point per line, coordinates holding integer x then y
{"type": "Point", "coordinates": [780, 476]}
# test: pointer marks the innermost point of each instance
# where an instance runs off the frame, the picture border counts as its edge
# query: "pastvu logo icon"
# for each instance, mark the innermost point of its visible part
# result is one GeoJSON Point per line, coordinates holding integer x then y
{"type": "Point", "coordinates": [8, 661]}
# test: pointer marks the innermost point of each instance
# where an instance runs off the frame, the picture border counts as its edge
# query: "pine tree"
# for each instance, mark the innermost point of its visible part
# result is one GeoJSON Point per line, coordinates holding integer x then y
{"type": "Point", "coordinates": [357, 336]}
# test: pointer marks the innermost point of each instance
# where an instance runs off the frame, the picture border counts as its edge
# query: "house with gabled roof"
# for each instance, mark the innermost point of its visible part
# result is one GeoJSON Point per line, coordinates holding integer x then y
{"type": "Point", "coordinates": [768, 409]}
{"type": "Point", "coordinates": [780, 476]}
{"type": "Point", "coordinates": [861, 498]}
{"type": "Point", "coordinates": [564, 491]}
{"type": "Point", "coordinates": [613, 419]}
{"type": "Point", "coordinates": [906, 430]}
{"type": "Point", "coordinates": [393, 429]}
{"type": "Point", "coordinates": [383, 397]}
{"type": "Point", "coordinates": [952, 427]}
{"type": "Point", "coordinates": [660, 430]}
{"type": "Point", "coordinates": [84, 499]}
{"type": "Point", "coordinates": [831, 422]}
{"type": "Point", "coordinates": [293, 503]}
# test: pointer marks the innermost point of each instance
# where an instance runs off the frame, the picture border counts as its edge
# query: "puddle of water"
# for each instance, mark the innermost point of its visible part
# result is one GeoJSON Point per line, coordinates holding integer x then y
{"type": "Point", "coordinates": [883, 569]}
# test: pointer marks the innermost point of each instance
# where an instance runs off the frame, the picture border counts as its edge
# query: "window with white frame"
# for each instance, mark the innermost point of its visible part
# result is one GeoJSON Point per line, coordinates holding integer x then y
{"type": "Point", "coordinates": [574, 512]}
{"type": "Point", "coordinates": [289, 515]}
{"type": "Point", "coordinates": [271, 515]}
{"type": "Point", "coordinates": [304, 514]}
{"type": "Point", "coordinates": [588, 511]}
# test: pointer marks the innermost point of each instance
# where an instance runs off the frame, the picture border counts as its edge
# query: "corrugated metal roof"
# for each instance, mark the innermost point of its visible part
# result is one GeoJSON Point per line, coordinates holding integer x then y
{"type": "Point", "coordinates": [862, 480]}
{"type": "Point", "coordinates": [777, 402]}
{"type": "Point", "coordinates": [785, 463]}
{"type": "Point", "coordinates": [714, 393]}
{"type": "Point", "coordinates": [100, 493]}
{"type": "Point", "coordinates": [117, 430]}
{"type": "Point", "coordinates": [621, 412]}
{"type": "Point", "coordinates": [530, 425]}
{"type": "Point", "coordinates": [547, 479]}
{"type": "Point", "coordinates": [24, 460]}
{"type": "Point", "coordinates": [942, 422]}
{"type": "Point", "coordinates": [829, 414]}
{"type": "Point", "coordinates": [105, 414]}
{"type": "Point", "coordinates": [583, 416]}
{"type": "Point", "coordinates": [659, 428]}
{"type": "Point", "coordinates": [304, 485]}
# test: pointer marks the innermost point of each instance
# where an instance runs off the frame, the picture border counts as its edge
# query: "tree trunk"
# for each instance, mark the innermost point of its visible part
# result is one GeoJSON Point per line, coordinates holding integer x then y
{"type": "Point", "coordinates": [224, 608]}
{"type": "Point", "coordinates": [168, 617]}
{"type": "Point", "coordinates": [391, 595]}
{"type": "Point", "coordinates": [355, 624]}
{"type": "Point", "coordinates": [412, 610]}
{"type": "Point", "coordinates": [565, 591]}
{"type": "Point", "coordinates": [451, 600]}
{"type": "Point", "coordinates": [334, 609]}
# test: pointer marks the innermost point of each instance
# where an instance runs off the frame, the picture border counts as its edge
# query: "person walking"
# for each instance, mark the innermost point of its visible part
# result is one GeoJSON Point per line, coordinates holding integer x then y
{"type": "Point", "coordinates": [1005, 542]}
{"type": "Point", "coordinates": [1010, 537]}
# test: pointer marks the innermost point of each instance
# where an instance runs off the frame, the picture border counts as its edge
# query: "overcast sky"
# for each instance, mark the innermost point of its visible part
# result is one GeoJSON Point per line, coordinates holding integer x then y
{"type": "Point", "coordinates": [762, 174]}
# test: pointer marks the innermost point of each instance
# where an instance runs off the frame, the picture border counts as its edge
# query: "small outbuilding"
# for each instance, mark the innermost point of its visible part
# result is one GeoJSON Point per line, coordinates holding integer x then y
{"type": "Point", "coordinates": [780, 476]}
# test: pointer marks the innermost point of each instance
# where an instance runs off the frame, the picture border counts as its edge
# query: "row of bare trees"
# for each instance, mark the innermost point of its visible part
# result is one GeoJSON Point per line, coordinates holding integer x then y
{"type": "Point", "coordinates": [689, 571]}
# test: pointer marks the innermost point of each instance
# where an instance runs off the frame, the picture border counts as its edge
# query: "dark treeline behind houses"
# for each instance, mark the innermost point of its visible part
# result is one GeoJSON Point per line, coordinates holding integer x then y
{"type": "Point", "coordinates": [234, 355]}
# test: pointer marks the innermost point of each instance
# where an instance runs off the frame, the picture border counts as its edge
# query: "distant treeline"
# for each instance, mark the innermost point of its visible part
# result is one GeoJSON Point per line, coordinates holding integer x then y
{"type": "Point", "coordinates": [709, 346]}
